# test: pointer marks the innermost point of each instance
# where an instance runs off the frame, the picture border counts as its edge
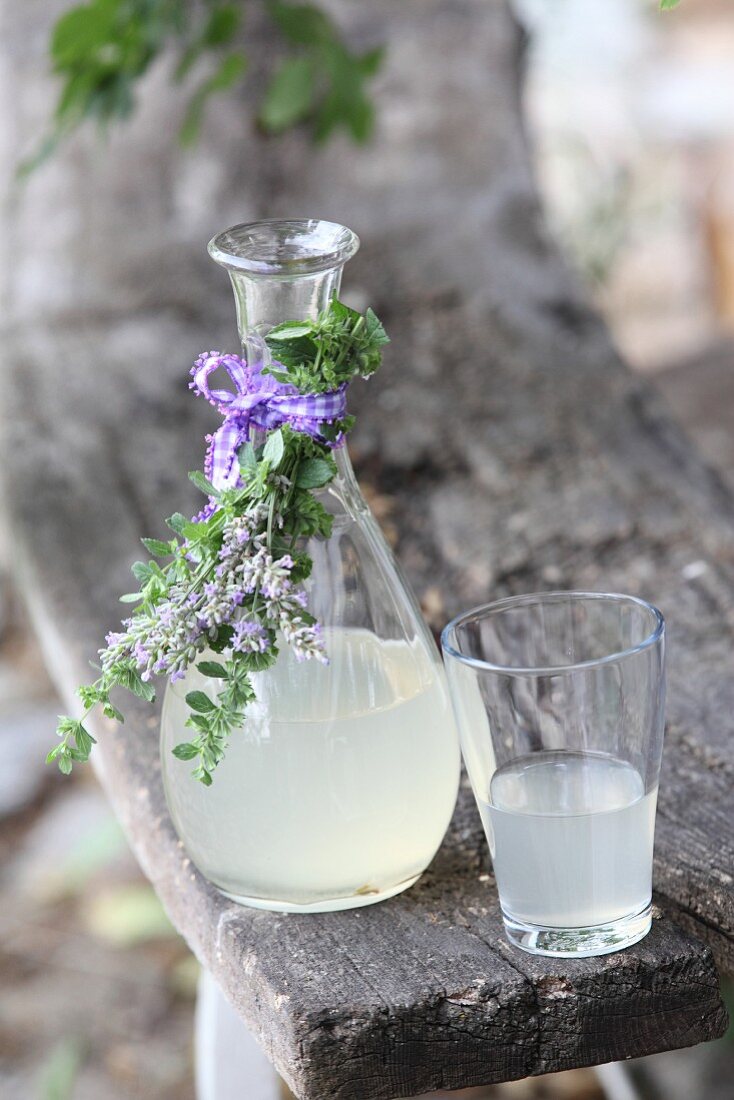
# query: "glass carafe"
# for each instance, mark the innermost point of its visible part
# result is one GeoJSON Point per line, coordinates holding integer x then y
{"type": "Point", "coordinates": [338, 788]}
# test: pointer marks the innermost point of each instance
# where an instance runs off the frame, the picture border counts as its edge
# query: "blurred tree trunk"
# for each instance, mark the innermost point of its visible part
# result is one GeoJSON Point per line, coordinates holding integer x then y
{"type": "Point", "coordinates": [111, 225]}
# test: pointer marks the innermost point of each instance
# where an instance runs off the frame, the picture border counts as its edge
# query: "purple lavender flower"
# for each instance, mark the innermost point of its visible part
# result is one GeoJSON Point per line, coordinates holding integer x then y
{"type": "Point", "coordinates": [305, 639]}
{"type": "Point", "coordinates": [168, 638]}
{"type": "Point", "coordinates": [276, 577]}
{"type": "Point", "coordinates": [250, 637]}
{"type": "Point", "coordinates": [165, 614]}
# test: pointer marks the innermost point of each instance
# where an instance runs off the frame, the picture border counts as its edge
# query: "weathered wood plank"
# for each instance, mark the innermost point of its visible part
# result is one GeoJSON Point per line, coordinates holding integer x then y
{"type": "Point", "coordinates": [422, 992]}
{"type": "Point", "coordinates": [509, 449]}
{"type": "Point", "coordinates": [565, 471]}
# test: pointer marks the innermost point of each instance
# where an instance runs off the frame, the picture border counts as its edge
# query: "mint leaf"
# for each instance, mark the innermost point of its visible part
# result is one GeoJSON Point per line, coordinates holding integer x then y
{"type": "Point", "coordinates": [130, 679]}
{"type": "Point", "coordinates": [289, 353]}
{"type": "Point", "coordinates": [222, 640]}
{"type": "Point", "coordinates": [185, 751]}
{"type": "Point", "coordinates": [374, 328]}
{"type": "Point", "coordinates": [65, 764]}
{"type": "Point", "coordinates": [110, 711]}
{"type": "Point", "coordinates": [211, 668]}
{"type": "Point", "coordinates": [157, 547]}
{"type": "Point", "coordinates": [198, 700]}
{"type": "Point", "coordinates": [203, 483]}
{"type": "Point", "coordinates": [177, 522]}
{"type": "Point", "coordinates": [274, 449]}
{"type": "Point", "coordinates": [256, 662]}
{"type": "Point", "coordinates": [141, 571]}
{"type": "Point", "coordinates": [248, 461]}
{"type": "Point", "coordinates": [198, 722]}
{"type": "Point", "coordinates": [315, 472]}
{"type": "Point", "coordinates": [84, 741]}
{"type": "Point", "coordinates": [90, 695]}
{"type": "Point", "coordinates": [291, 330]}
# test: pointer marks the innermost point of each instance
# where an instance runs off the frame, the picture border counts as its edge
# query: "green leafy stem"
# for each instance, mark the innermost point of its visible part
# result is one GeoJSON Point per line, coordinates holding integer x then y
{"type": "Point", "coordinates": [101, 50]}
{"type": "Point", "coordinates": [240, 569]}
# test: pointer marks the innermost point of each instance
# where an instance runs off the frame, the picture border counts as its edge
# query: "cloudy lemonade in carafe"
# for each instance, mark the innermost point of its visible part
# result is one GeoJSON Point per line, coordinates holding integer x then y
{"type": "Point", "coordinates": [339, 780]}
{"type": "Point", "coordinates": [308, 754]}
{"type": "Point", "coordinates": [340, 783]}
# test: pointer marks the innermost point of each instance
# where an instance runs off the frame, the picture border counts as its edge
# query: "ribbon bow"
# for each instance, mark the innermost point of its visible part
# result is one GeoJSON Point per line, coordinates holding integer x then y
{"type": "Point", "coordinates": [259, 400]}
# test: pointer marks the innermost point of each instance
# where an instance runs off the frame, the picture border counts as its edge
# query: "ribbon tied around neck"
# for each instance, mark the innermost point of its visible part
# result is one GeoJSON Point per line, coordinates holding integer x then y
{"type": "Point", "coordinates": [259, 401]}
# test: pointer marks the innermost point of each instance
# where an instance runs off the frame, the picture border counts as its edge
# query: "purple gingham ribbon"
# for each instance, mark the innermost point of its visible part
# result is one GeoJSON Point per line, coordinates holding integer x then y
{"type": "Point", "coordinates": [259, 400]}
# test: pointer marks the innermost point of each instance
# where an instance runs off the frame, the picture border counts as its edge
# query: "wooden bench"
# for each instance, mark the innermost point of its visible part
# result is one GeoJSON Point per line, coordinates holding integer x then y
{"type": "Point", "coordinates": [508, 449]}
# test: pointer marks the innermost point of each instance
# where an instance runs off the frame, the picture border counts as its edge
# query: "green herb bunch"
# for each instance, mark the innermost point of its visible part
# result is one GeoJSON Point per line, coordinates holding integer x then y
{"type": "Point", "coordinates": [230, 582]}
{"type": "Point", "coordinates": [322, 356]}
{"type": "Point", "coordinates": [101, 50]}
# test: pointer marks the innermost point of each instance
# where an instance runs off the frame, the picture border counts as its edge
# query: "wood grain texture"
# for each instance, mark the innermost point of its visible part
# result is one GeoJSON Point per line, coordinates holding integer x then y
{"type": "Point", "coordinates": [508, 449]}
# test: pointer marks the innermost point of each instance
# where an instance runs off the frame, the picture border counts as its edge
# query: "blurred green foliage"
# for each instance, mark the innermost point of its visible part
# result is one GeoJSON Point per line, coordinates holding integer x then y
{"type": "Point", "coordinates": [126, 915]}
{"type": "Point", "coordinates": [102, 48]}
{"type": "Point", "coordinates": [59, 1073]}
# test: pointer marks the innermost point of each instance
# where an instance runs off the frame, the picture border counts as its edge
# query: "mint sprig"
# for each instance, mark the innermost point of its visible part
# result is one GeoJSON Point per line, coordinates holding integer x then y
{"type": "Point", "coordinates": [322, 355]}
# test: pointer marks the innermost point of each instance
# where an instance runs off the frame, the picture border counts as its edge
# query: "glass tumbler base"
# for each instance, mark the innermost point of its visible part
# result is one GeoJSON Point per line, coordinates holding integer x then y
{"type": "Point", "coordinates": [578, 943]}
{"type": "Point", "coordinates": [324, 905]}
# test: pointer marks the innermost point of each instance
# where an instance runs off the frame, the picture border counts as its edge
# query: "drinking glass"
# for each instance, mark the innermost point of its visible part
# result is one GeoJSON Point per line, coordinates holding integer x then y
{"type": "Point", "coordinates": [559, 699]}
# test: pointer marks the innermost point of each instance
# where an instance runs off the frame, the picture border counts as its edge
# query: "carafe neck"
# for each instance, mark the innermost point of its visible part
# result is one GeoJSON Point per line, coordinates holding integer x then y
{"type": "Point", "coordinates": [281, 271]}
{"type": "Point", "coordinates": [263, 302]}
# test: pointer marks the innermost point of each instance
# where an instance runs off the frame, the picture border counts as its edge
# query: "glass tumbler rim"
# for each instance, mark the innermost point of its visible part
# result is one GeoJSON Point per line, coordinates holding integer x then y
{"type": "Point", "coordinates": [482, 611]}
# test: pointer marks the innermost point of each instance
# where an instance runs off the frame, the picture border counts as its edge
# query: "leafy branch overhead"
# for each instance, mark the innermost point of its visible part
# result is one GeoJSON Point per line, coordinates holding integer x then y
{"type": "Point", "coordinates": [102, 49]}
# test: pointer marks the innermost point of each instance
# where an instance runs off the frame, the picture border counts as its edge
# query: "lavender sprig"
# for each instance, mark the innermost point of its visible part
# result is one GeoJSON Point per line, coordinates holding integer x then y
{"type": "Point", "coordinates": [231, 580]}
